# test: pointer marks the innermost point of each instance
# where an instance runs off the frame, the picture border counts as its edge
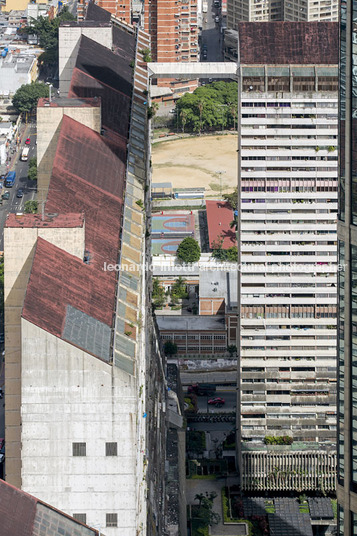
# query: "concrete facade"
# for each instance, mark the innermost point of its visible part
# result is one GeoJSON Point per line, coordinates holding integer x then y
{"type": "Point", "coordinates": [59, 380]}
{"type": "Point", "coordinates": [280, 10]}
{"type": "Point", "coordinates": [69, 39]}
{"type": "Point", "coordinates": [19, 245]}
{"type": "Point", "coordinates": [49, 117]}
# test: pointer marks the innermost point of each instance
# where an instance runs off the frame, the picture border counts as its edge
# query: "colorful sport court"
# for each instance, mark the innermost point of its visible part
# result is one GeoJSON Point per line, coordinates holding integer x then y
{"type": "Point", "coordinates": [168, 230]}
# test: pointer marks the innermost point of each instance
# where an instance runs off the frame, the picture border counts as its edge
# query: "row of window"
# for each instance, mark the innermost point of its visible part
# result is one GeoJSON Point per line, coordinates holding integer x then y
{"type": "Point", "coordinates": [111, 520]}
{"type": "Point", "coordinates": [80, 449]}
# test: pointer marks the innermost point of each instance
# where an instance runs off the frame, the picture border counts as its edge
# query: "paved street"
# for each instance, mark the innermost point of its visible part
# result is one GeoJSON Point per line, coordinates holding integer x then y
{"type": "Point", "coordinates": [211, 34]}
{"type": "Point", "coordinates": [15, 204]}
{"type": "Point", "coordinates": [229, 397]}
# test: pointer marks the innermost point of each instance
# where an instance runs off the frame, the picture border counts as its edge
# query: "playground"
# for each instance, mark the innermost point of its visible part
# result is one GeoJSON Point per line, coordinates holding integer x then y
{"type": "Point", "coordinates": [194, 162]}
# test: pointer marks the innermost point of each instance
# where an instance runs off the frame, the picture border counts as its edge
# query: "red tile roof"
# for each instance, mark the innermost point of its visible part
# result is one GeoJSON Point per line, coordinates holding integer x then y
{"type": "Point", "coordinates": [219, 216]}
{"type": "Point", "coordinates": [65, 280]}
{"type": "Point", "coordinates": [53, 220]}
{"type": "Point", "coordinates": [17, 511]}
{"type": "Point", "coordinates": [88, 176]}
{"type": "Point", "coordinates": [22, 514]}
{"type": "Point", "coordinates": [276, 43]}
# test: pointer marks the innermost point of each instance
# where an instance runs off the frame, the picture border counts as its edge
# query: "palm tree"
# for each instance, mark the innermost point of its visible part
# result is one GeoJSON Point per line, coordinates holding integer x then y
{"type": "Point", "coordinates": [233, 110]}
{"type": "Point", "coordinates": [234, 224]}
{"type": "Point", "coordinates": [183, 116]}
{"type": "Point", "coordinates": [199, 497]}
{"type": "Point", "coordinates": [200, 105]}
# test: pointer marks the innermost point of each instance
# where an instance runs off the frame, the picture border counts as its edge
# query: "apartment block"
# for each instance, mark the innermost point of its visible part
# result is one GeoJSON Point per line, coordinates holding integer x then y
{"type": "Point", "coordinates": [288, 232]}
{"type": "Point", "coordinates": [280, 10]}
{"type": "Point", "coordinates": [173, 28]}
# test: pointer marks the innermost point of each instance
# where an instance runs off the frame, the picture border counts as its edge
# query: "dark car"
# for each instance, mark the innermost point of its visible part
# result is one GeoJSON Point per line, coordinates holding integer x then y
{"type": "Point", "coordinates": [2, 337]}
{"type": "Point", "coordinates": [6, 195]}
{"type": "Point", "coordinates": [28, 141]}
{"type": "Point", "coordinates": [20, 193]}
{"type": "Point", "coordinates": [204, 54]}
{"type": "Point", "coordinates": [204, 46]}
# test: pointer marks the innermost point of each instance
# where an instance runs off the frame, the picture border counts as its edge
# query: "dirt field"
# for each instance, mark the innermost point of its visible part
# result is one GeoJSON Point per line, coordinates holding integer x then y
{"type": "Point", "coordinates": [194, 162]}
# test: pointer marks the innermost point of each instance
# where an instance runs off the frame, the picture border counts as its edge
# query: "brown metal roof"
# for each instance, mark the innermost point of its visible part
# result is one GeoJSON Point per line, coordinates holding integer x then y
{"type": "Point", "coordinates": [276, 43]}
{"type": "Point", "coordinates": [17, 511]}
{"type": "Point", "coordinates": [59, 279]}
{"type": "Point", "coordinates": [88, 177]}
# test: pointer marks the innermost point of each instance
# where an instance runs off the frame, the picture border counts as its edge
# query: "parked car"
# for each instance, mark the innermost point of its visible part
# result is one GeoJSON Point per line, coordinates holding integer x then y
{"type": "Point", "coordinates": [218, 402]}
{"type": "Point", "coordinates": [20, 193]}
{"type": "Point", "coordinates": [204, 55]}
{"type": "Point", "coordinates": [204, 46]}
{"type": "Point", "coordinates": [2, 453]}
{"type": "Point", "coordinates": [28, 141]}
{"type": "Point", "coordinates": [216, 18]}
{"type": "Point", "coordinates": [6, 195]}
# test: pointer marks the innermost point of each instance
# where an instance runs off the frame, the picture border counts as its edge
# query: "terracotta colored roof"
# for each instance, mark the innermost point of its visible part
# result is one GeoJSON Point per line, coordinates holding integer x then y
{"type": "Point", "coordinates": [88, 177]}
{"type": "Point", "coordinates": [53, 221]}
{"type": "Point", "coordinates": [65, 280]}
{"type": "Point", "coordinates": [219, 216]}
{"type": "Point", "coordinates": [276, 43]}
{"type": "Point", "coordinates": [17, 511]}
{"type": "Point", "coordinates": [22, 514]}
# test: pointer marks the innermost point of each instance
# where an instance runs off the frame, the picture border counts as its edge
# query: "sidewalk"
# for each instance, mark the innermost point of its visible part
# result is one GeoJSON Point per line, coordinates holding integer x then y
{"type": "Point", "coordinates": [14, 149]}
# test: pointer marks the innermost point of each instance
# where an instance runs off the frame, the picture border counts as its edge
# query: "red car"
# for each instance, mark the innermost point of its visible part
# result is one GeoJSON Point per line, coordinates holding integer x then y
{"type": "Point", "coordinates": [28, 141]}
{"type": "Point", "coordinates": [218, 402]}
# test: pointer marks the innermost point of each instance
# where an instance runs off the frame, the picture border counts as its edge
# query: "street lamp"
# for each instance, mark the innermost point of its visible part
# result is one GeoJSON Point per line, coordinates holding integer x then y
{"type": "Point", "coordinates": [220, 173]}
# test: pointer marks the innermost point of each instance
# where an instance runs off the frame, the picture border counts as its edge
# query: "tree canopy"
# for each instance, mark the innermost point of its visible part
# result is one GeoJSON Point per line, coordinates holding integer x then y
{"type": "Point", "coordinates": [232, 199]}
{"type": "Point", "coordinates": [31, 207]}
{"type": "Point", "coordinates": [26, 97]}
{"type": "Point", "coordinates": [189, 250]}
{"type": "Point", "coordinates": [47, 32]}
{"type": "Point", "coordinates": [208, 107]}
{"type": "Point", "coordinates": [170, 348]}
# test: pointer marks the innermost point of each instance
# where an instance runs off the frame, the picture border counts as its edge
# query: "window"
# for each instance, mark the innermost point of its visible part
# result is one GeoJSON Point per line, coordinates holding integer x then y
{"type": "Point", "coordinates": [82, 518]}
{"type": "Point", "coordinates": [79, 449]}
{"type": "Point", "coordinates": [111, 449]}
{"type": "Point", "coordinates": [111, 520]}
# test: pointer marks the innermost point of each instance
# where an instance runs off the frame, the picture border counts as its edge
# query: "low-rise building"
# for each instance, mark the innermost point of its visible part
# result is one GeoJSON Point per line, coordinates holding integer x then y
{"type": "Point", "coordinates": [16, 69]}
{"type": "Point", "coordinates": [194, 335]}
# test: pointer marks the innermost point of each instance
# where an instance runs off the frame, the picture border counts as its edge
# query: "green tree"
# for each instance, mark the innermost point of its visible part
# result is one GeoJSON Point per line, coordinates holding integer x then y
{"type": "Point", "coordinates": [26, 97]}
{"type": "Point", "coordinates": [31, 207]}
{"type": "Point", "coordinates": [189, 250]}
{"type": "Point", "coordinates": [158, 294]}
{"type": "Point", "coordinates": [32, 174]}
{"type": "Point", "coordinates": [183, 117]}
{"type": "Point", "coordinates": [232, 199]}
{"type": "Point", "coordinates": [170, 348]}
{"type": "Point", "coordinates": [178, 289]}
{"type": "Point", "coordinates": [204, 511]}
{"type": "Point", "coordinates": [232, 349]}
{"type": "Point", "coordinates": [47, 32]}
{"type": "Point", "coordinates": [33, 162]}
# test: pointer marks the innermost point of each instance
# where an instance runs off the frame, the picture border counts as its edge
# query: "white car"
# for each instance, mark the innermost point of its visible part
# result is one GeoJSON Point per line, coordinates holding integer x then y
{"type": "Point", "coordinates": [216, 19]}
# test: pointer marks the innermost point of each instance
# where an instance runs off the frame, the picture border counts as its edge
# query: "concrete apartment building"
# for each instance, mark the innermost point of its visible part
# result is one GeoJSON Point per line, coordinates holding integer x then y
{"type": "Point", "coordinates": [289, 205]}
{"type": "Point", "coordinates": [347, 246]}
{"type": "Point", "coordinates": [85, 417]}
{"type": "Point", "coordinates": [280, 10]}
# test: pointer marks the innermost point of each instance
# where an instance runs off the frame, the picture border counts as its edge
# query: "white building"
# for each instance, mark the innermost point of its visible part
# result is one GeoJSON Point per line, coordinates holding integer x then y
{"type": "Point", "coordinates": [279, 10]}
{"type": "Point", "coordinates": [289, 206]}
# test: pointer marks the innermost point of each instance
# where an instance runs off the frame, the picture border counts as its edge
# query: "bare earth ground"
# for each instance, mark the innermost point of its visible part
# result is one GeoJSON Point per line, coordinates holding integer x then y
{"type": "Point", "coordinates": [194, 162]}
